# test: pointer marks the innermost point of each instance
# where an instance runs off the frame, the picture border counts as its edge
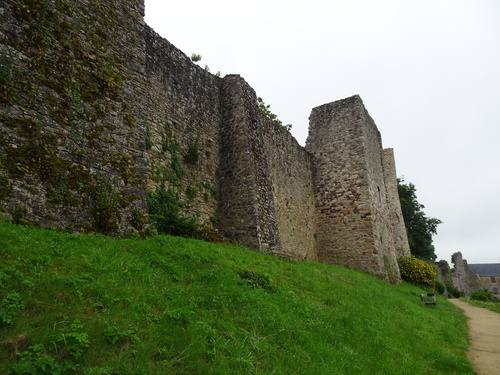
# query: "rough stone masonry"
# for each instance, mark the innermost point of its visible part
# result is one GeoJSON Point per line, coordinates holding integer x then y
{"type": "Point", "coordinates": [97, 111]}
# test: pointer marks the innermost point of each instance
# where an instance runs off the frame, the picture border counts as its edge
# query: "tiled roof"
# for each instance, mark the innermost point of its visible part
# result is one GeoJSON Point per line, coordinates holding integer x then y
{"type": "Point", "coordinates": [486, 269]}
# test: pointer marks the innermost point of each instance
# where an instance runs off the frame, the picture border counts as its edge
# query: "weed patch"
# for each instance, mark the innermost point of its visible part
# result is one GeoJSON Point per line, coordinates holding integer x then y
{"type": "Point", "coordinates": [74, 339]}
{"type": "Point", "coordinates": [257, 280]}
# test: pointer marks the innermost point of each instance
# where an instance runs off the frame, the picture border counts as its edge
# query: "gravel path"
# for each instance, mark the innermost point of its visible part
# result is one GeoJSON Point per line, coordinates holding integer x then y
{"type": "Point", "coordinates": [484, 332]}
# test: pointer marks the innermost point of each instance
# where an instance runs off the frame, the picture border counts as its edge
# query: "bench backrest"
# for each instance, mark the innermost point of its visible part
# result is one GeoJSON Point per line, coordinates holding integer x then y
{"type": "Point", "coordinates": [430, 300]}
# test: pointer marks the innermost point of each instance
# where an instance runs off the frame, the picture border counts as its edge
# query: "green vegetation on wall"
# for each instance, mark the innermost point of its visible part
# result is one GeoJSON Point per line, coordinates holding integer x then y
{"type": "Point", "coordinates": [165, 212]}
{"type": "Point", "coordinates": [72, 57]}
{"type": "Point", "coordinates": [179, 187]}
{"type": "Point", "coordinates": [7, 82]}
{"type": "Point", "coordinates": [166, 208]}
{"type": "Point", "coordinates": [266, 112]}
{"type": "Point", "coordinates": [192, 155]}
{"type": "Point", "coordinates": [392, 273]}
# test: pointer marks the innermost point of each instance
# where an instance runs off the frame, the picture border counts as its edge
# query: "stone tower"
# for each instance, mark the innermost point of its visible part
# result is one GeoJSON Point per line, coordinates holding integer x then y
{"type": "Point", "coordinates": [354, 193]}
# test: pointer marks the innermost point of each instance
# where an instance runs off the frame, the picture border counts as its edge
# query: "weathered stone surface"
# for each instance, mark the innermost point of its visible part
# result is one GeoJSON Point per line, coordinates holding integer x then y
{"type": "Point", "coordinates": [396, 220]}
{"type": "Point", "coordinates": [72, 139]}
{"type": "Point", "coordinates": [182, 112]}
{"type": "Point", "coordinates": [98, 110]}
{"type": "Point", "coordinates": [293, 191]}
{"type": "Point", "coordinates": [354, 191]}
{"type": "Point", "coordinates": [464, 279]}
{"type": "Point", "coordinates": [247, 211]}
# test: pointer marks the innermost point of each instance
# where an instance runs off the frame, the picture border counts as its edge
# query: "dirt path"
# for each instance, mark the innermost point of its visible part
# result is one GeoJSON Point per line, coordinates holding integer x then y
{"type": "Point", "coordinates": [484, 331]}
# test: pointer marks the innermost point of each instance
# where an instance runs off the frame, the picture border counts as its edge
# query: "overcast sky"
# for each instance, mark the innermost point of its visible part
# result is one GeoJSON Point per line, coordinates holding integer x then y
{"type": "Point", "coordinates": [427, 71]}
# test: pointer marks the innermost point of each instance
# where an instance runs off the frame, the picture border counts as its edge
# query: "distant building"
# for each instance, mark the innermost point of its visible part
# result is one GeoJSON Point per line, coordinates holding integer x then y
{"type": "Point", "coordinates": [489, 274]}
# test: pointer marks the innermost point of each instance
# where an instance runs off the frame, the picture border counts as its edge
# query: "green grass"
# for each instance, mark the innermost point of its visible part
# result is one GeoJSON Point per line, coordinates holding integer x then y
{"type": "Point", "coordinates": [493, 306]}
{"type": "Point", "coordinates": [97, 305]}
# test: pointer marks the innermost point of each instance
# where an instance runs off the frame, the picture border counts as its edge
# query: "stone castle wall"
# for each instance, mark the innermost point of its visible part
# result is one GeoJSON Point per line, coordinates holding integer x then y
{"type": "Point", "coordinates": [182, 115]}
{"type": "Point", "coordinates": [354, 192]}
{"type": "Point", "coordinates": [72, 131]}
{"type": "Point", "coordinates": [266, 195]}
{"type": "Point", "coordinates": [247, 211]}
{"type": "Point", "coordinates": [396, 220]}
{"type": "Point", "coordinates": [293, 191]}
{"type": "Point", "coordinates": [99, 110]}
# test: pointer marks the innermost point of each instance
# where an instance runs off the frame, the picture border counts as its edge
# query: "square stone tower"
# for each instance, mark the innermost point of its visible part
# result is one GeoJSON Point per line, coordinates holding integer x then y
{"type": "Point", "coordinates": [354, 203]}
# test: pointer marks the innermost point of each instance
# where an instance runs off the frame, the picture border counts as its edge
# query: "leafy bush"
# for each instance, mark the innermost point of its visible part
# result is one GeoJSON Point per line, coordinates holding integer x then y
{"type": "Point", "coordinates": [195, 57]}
{"type": "Point", "coordinates": [453, 291]}
{"type": "Point", "coordinates": [165, 213]}
{"type": "Point", "coordinates": [9, 308]}
{"type": "Point", "coordinates": [257, 280]}
{"type": "Point", "coordinates": [440, 287]}
{"type": "Point", "coordinates": [484, 295]}
{"type": "Point", "coordinates": [75, 340]}
{"type": "Point", "coordinates": [417, 271]}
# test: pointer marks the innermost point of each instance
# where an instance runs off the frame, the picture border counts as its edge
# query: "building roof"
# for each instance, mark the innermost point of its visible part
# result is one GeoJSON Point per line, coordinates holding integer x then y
{"type": "Point", "coordinates": [486, 269]}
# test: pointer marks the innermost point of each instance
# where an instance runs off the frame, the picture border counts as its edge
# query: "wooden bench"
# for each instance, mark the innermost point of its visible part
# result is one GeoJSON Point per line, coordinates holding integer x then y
{"type": "Point", "coordinates": [429, 300]}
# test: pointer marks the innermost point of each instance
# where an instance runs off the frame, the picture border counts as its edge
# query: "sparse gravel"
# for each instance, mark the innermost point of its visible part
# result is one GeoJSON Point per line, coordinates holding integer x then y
{"type": "Point", "coordinates": [484, 332]}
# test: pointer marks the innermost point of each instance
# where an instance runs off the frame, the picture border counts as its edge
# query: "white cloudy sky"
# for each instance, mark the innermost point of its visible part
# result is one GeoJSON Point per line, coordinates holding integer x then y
{"type": "Point", "coordinates": [427, 71]}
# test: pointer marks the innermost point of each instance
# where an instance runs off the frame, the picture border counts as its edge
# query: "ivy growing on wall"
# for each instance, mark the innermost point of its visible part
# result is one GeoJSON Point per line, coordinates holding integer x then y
{"type": "Point", "coordinates": [5, 187]}
{"type": "Point", "coordinates": [165, 212]}
{"type": "Point", "coordinates": [164, 204]}
{"type": "Point", "coordinates": [192, 155]}
{"type": "Point", "coordinates": [170, 203]}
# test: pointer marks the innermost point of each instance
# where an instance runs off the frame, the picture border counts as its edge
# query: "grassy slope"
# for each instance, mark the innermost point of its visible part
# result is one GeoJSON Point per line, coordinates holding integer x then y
{"type": "Point", "coordinates": [168, 305]}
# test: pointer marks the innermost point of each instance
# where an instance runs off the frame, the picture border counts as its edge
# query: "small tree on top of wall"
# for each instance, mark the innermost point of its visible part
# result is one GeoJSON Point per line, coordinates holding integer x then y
{"type": "Point", "coordinates": [264, 109]}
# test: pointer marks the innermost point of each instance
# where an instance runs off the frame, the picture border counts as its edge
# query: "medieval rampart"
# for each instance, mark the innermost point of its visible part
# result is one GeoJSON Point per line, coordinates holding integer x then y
{"type": "Point", "coordinates": [182, 120]}
{"type": "Point", "coordinates": [98, 111]}
{"type": "Point", "coordinates": [72, 120]}
{"type": "Point", "coordinates": [354, 193]}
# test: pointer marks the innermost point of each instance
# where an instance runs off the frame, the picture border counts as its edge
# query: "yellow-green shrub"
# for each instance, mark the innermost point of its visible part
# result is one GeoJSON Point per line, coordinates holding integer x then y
{"type": "Point", "coordinates": [417, 271]}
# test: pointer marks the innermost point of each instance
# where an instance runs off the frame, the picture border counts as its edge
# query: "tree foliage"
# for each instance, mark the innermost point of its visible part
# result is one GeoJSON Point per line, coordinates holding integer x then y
{"type": "Point", "coordinates": [264, 109]}
{"type": "Point", "coordinates": [195, 57]}
{"type": "Point", "coordinates": [419, 227]}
